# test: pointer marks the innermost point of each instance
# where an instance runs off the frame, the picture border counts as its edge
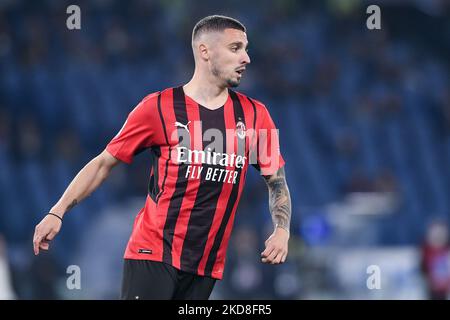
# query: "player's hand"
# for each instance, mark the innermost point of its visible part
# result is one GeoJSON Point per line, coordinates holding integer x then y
{"type": "Point", "coordinates": [44, 232]}
{"type": "Point", "coordinates": [276, 247]}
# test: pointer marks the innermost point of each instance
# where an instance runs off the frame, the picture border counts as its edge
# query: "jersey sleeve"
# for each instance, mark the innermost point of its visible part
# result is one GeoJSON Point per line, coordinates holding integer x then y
{"type": "Point", "coordinates": [136, 134]}
{"type": "Point", "coordinates": [267, 155]}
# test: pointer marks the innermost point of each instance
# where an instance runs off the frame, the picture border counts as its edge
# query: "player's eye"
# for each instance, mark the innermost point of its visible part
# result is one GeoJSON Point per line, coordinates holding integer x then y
{"type": "Point", "coordinates": [233, 49]}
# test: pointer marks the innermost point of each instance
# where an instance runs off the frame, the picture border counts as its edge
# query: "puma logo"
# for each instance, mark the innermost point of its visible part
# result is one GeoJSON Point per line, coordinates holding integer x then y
{"type": "Point", "coordinates": [178, 124]}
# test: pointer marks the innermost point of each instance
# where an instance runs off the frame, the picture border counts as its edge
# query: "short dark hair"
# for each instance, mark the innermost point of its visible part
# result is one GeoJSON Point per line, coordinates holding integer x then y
{"type": "Point", "coordinates": [216, 23]}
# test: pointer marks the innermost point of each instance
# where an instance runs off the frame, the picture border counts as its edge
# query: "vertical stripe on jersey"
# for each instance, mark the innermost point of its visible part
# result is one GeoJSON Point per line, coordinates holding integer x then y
{"type": "Point", "coordinates": [168, 144]}
{"type": "Point", "coordinates": [158, 217]}
{"type": "Point", "coordinates": [179, 107]}
{"type": "Point", "coordinates": [254, 141]}
{"type": "Point", "coordinates": [153, 187]}
{"type": "Point", "coordinates": [208, 194]}
{"type": "Point", "coordinates": [238, 114]}
{"type": "Point", "coordinates": [191, 188]}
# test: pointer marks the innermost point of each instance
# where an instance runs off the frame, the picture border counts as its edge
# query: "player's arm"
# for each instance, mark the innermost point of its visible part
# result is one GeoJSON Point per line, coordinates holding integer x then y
{"type": "Point", "coordinates": [85, 182]}
{"type": "Point", "coordinates": [280, 208]}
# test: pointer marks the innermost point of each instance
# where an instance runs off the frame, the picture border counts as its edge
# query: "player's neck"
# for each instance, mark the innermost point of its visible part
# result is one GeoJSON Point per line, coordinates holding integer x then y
{"type": "Point", "coordinates": [206, 93]}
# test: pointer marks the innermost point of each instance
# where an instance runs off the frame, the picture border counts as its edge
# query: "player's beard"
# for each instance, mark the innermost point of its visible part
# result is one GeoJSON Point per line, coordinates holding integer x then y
{"type": "Point", "coordinates": [231, 83]}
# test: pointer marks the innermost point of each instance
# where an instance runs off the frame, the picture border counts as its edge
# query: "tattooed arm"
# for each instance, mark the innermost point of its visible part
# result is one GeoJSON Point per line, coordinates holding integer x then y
{"type": "Point", "coordinates": [279, 199]}
{"type": "Point", "coordinates": [280, 208]}
{"type": "Point", "coordinates": [85, 182]}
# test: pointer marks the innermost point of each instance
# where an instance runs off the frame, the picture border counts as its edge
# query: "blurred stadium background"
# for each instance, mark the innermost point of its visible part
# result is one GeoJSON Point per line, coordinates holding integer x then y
{"type": "Point", "coordinates": [364, 120]}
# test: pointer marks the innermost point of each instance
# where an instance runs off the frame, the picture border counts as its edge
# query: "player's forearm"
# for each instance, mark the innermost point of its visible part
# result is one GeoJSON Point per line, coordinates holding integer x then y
{"type": "Point", "coordinates": [279, 200]}
{"type": "Point", "coordinates": [85, 182]}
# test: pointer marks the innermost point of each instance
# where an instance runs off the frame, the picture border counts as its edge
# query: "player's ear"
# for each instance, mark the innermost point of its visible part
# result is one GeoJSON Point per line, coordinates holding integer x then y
{"type": "Point", "coordinates": [203, 51]}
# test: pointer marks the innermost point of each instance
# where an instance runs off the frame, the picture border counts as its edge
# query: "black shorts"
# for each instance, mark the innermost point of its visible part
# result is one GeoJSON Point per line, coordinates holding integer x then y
{"type": "Point", "coordinates": [145, 279]}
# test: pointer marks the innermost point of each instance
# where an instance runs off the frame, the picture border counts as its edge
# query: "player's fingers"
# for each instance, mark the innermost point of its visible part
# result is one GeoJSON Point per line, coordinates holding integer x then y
{"type": "Point", "coordinates": [36, 242]}
{"type": "Point", "coordinates": [269, 258]}
{"type": "Point", "coordinates": [273, 255]}
{"type": "Point", "coordinates": [283, 259]}
{"type": "Point", "coordinates": [39, 238]}
{"type": "Point", "coordinates": [275, 259]}
{"type": "Point", "coordinates": [267, 251]}
{"type": "Point", "coordinates": [278, 258]}
{"type": "Point", "coordinates": [270, 246]}
{"type": "Point", "coordinates": [44, 245]}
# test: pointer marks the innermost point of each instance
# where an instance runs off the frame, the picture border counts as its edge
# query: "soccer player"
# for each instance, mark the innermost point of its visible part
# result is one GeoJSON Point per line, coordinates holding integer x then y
{"type": "Point", "coordinates": [202, 137]}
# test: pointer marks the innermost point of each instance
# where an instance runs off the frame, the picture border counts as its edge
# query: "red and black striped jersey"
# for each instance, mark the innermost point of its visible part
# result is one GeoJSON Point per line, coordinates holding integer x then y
{"type": "Point", "coordinates": [200, 159]}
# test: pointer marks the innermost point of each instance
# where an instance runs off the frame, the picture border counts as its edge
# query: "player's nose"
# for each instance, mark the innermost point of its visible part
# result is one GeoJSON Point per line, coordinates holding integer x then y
{"type": "Point", "coordinates": [245, 58]}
